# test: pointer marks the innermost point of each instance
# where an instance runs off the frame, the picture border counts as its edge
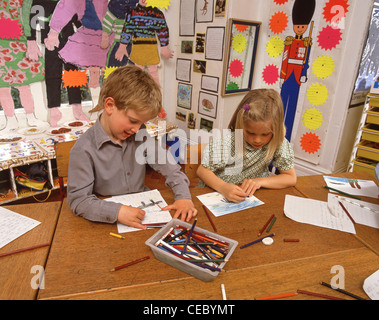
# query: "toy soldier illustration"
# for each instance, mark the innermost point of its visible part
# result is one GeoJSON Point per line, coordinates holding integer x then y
{"type": "Point", "coordinates": [295, 62]}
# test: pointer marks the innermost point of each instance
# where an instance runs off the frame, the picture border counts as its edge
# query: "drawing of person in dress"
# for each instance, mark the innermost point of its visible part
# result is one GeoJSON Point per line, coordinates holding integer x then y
{"type": "Point", "coordinates": [16, 70]}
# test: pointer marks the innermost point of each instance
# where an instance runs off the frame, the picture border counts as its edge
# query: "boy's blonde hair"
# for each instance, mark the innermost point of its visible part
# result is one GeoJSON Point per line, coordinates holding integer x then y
{"type": "Point", "coordinates": [131, 87]}
{"type": "Point", "coordinates": [261, 105]}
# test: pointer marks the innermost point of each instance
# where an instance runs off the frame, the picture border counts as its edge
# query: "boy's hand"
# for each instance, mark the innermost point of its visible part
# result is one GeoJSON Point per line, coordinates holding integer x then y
{"type": "Point", "coordinates": [131, 217]}
{"type": "Point", "coordinates": [184, 208]}
{"type": "Point", "coordinates": [233, 193]}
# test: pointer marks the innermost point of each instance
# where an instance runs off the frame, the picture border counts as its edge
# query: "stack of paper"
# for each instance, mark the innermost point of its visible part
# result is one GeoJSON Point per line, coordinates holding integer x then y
{"type": "Point", "coordinates": [330, 214]}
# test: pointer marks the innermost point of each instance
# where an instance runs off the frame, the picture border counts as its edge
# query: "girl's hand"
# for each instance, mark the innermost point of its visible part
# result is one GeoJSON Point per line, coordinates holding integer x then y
{"type": "Point", "coordinates": [233, 193]}
{"type": "Point", "coordinates": [249, 186]}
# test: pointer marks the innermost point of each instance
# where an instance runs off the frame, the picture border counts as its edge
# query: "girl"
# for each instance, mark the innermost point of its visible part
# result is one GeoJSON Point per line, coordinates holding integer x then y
{"type": "Point", "coordinates": [258, 131]}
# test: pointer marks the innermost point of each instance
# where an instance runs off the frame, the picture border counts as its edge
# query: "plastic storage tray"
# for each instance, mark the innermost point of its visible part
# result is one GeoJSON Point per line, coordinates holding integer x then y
{"type": "Point", "coordinates": [188, 267]}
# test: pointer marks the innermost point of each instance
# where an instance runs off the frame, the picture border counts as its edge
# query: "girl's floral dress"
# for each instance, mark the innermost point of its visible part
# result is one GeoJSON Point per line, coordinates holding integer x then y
{"type": "Point", "coordinates": [15, 68]}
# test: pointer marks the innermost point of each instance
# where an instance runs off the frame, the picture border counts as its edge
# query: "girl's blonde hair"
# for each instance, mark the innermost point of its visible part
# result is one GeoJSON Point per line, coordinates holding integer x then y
{"type": "Point", "coordinates": [261, 105]}
{"type": "Point", "coordinates": [131, 87]}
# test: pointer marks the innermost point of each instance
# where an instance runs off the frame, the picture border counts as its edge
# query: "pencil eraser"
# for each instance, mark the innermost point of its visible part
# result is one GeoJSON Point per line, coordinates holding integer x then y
{"type": "Point", "coordinates": [268, 241]}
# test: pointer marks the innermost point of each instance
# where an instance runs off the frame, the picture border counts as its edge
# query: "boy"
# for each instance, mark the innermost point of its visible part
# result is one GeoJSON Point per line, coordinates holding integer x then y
{"type": "Point", "coordinates": [104, 160]}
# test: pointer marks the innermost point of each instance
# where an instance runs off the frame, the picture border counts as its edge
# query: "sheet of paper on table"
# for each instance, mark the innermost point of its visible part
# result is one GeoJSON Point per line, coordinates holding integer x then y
{"type": "Point", "coordinates": [14, 225]}
{"type": "Point", "coordinates": [355, 187]}
{"type": "Point", "coordinates": [219, 206]}
{"type": "Point", "coordinates": [371, 286]}
{"type": "Point", "coordinates": [149, 201]}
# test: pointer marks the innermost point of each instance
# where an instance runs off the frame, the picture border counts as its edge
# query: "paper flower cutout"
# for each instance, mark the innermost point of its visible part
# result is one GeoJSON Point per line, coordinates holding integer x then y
{"type": "Point", "coordinates": [335, 10]}
{"type": "Point", "coordinates": [270, 74]}
{"type": "Point", "coordinates": [275, 47]}
{"type": "Point", "coordinates": [317, 94]}
{"type": "Point", "coordinates": [231, 86]}
{"type": "Point", "coordinates": [310, 143]}
{"type": "Point", "coordinates": [241, 27]}
{"type": "Point", "coordinates": [108, 71]}
{"type": "Point", "coordinates": [278, 22]}
{"type": "Point", "coordinates": [313, 119]}
{"type": "Point", "coordinates": [280, 2]}
{"type": "Point", "coordinates": [10, 29]}
{"type": "Point", "coordinates": [239, 43]}
{"type": "Point", "coordinates": [236, 68]}
{"type": "Point", "coordinates": [162, 4]}
{"type": "Point", "coordinates": [329, 38]}
{"type": "Point", "coordinates": [323, 67]}
{"type": "Point", "coordinates": [74, 78]}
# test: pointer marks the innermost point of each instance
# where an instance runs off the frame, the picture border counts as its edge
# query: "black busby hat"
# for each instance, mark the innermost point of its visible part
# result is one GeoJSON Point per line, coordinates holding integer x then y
{"type": "Point", "coordinates": [303, 11]}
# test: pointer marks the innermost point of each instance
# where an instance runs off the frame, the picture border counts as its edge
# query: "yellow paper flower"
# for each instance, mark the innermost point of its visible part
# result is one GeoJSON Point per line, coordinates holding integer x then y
{"type": "Point", "coordinates": [239, 43]}
{"type": "Point", "coordinates": [108, 71]}
{"type": "Point", "coordinates": [317, 94]}
{"type": "Point", "coordinates": [275, 47]}
{"type": "Point", "coordinates": [313, 119]}
{"type": "Point", "coordinates": [161, 4]}
{"type": "Point", "coordinates": [323, 67]}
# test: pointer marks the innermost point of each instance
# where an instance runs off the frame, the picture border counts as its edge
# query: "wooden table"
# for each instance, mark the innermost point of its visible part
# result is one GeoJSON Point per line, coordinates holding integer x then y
{"type": "Point", "coordinates": [16, 275]}
{"type": "Point", "coordinates": [83, 252]}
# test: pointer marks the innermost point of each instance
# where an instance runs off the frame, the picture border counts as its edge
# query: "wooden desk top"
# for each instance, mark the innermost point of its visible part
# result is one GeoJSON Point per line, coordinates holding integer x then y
{"type": "Point", "coordinates": [16, 275]}
{"type": "Point", "coordinates": [83, 252]}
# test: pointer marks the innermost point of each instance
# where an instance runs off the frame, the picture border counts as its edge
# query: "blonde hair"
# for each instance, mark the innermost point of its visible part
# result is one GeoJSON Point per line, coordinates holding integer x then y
{"type": "Point", "coordinates": [131, 87]}
{"type": "Point", "coordinates": [261, 105]}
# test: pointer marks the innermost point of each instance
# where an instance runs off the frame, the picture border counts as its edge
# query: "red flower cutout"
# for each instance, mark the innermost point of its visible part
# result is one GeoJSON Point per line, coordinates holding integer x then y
{"type": "Point", "coordinates": [310, 143]}
{"type": "Point", "coordinates": [329, 38]}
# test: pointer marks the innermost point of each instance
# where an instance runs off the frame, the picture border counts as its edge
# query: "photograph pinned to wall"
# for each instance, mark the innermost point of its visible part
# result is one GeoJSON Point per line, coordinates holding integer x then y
{"type": "Point", "coordinates": [214, 44]}
{"type": "Point", "coordinates": [200, 42]}
{"type": "Point", "coordinates": [187, 18]}
{"type": "Point", "coordinates": [184, 95]}
{"type": "Point", "coordinates": [206, 124]}
{"type": "Point", "coordinates": [209, 83]}
{"type": "Point", "coordinates": [204, 10]}
{"type": "Point", "coordinates": [183, 70]}
{"type": "Point", "coordinates": [220, 8]}
{"type": "Point", "coordinates": [208, 104]}
{"type": "Point", "coordinates": [187, 46]}
{"type": "Point", "coordinates": [199, 66]}
{"type": "Point", "coordinates": [181, 115]}
{"type": "Point", "coordinates": [191, 122]}
{"type": "Point", "coordinates": [241, 51]}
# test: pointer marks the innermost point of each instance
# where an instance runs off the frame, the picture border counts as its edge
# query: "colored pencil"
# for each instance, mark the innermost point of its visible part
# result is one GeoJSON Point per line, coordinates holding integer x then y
{"type": "Point", "coordinates": [342, 291]}
{"type": "Point", "coordinates": [189, 236]}
{"type": "Point", "coordinates": [25, 249]}
{"type": "Point", "coordinates": [129, 264]}
{"type": "Point", "coordinates": [278, 296]}
{"type": "Point", "coordinates": [265, 226]}
{"type": "Point", "coordinates": [223, 292]}
{"type": "Point", "coordinates": [209, 218]}
{"type": "Point", "coordinates": [256, 241]}
{"type": "Point", "coordinates": [347, 212]}
{"type": "Point", "coordinates": [319, 295]}
{"type": "Point", "coordinates": [344, 193]}
{"type": "Point", "coordinates": [291, 240]}
{"type": "Point", "coordinates": [271, 224]}
{"type": "Point", "coordinates": [116, 235]}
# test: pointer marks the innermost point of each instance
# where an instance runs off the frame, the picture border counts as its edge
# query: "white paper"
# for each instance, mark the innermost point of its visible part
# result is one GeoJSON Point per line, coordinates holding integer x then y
{"type": "Point", "coordinates": [371, 286]}
{"type": "Point", "coordinates": [219, 206]}
{"type": "Point", "coordinates": [317, 213]}
{"type": "Point", "coordinates": [214, 48]}
{"type": "Point", "coordinates": [362, 212]}
{"type": "Point", "coordinates": [355, 187]}
{"type": "Point", "coordinates": [183, 70]}
{"type": "Point", "coordinates": [187, 18]}
{"type": "Point", "coordinates": [14, 225]}
{"type": "Point", "coordinates": [150, 201]}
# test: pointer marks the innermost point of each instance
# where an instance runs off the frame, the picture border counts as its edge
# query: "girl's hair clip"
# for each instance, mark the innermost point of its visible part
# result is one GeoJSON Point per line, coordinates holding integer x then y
{"type": "Point", "coordinates": [246, 107]}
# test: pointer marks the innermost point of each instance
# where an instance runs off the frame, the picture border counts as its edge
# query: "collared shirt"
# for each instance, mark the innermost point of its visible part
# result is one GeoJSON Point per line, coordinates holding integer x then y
{"type": "Point", "coordinates": [98, 166]}
{"type": "Point", "coordinates": [218, 156]}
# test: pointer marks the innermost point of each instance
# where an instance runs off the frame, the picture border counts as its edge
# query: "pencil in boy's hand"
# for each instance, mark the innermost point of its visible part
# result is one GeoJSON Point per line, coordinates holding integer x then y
{"type": "Point", "coordinates": [129, 264]}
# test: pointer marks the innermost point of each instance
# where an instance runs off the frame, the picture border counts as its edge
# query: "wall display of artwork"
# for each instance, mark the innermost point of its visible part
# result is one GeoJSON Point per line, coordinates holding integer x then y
{"type": "Point", "coordinates": [208, 104]}
{"type": "Point", "coordinates": [184, 95]}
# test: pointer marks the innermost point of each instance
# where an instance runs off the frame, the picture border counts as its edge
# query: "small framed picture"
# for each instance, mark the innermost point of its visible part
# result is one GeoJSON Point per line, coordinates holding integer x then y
{"type": "Point", "coordinates": [204, 10]}
{"type": "Point", "coordinates": [185, 95]}
{"type": "Point", "coordinates": [209, 83]}
{"type": "Point", "coordinates": [199, 66]}
{"type": "Point", "coordinates": [183, 70]}
{"type": "Point", "coordinates": [208, 104]}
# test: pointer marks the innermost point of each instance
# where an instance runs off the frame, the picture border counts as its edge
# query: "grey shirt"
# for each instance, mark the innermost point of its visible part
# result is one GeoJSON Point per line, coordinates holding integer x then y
{"type": "Point", "coordinates": [98, 166]}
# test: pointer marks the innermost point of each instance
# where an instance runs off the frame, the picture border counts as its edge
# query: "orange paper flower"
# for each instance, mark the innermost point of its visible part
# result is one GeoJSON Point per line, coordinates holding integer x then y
{"type": "Point", "coordinates": [310, 143]}
{"type": "Point", "coordinates": [278, 22]}
{"type": "Point", "coordinates": [74, 78]}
